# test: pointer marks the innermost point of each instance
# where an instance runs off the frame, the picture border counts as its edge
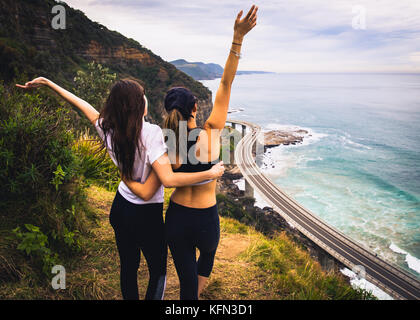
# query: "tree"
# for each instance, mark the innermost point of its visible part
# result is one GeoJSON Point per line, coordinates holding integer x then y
{"type": "Point", "coordinates": [93, 85]}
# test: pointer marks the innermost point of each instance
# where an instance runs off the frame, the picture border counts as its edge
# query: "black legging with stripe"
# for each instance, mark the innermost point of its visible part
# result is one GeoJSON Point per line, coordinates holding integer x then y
{"type": "Point", "coordinates": [188, 229]}
{"type": "Point", "coordinates": [140, 227]}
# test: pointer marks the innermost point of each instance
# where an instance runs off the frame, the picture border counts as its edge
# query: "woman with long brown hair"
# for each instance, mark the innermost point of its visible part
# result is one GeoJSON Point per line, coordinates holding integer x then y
{"type": "Point", "coordinates": [192, 220]}
{"type": "Point", "coordinates": [138, 149]}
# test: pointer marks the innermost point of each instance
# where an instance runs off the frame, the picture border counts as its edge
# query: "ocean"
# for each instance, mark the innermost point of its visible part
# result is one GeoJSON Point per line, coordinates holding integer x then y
{"type": "Point", "coordinates": [359, 167]}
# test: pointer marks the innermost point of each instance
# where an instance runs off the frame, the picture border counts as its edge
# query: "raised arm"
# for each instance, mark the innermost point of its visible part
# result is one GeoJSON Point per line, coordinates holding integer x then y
{"type": "Point", "coordinates": [90, 112]}
{"type": "Point", "coordinates": [218, 115]}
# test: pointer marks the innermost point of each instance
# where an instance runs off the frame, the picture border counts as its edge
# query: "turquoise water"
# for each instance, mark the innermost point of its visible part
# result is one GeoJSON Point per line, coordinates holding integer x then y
{"type": "Point", "coordinates": [359, 168]}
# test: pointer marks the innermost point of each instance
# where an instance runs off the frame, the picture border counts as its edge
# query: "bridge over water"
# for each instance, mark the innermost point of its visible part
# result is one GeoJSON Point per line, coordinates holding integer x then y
{"type": "Point", "coordinates": [390, 278]}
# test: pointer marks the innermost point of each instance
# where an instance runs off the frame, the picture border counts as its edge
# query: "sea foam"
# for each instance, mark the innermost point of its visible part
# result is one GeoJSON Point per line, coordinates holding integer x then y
{"type": "Point", "coordinates": [276, 162]}
{"type": "Point", "coordinates": [361, 283]}
{"type": "Point", "coordinates": [412, 262]}
{"type": "Point", "coordinates": [347, 141]}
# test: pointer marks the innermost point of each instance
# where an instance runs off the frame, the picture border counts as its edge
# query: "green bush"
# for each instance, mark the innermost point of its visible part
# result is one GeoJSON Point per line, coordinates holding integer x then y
{"type": "Point", "coordinates": [92, 85]}
{"type": "Point", "coordinates": [34, 243]}
{"type": "Point", "coordinates": [231, 209]}
{"type": "Point", "coordinates": [40, 174]}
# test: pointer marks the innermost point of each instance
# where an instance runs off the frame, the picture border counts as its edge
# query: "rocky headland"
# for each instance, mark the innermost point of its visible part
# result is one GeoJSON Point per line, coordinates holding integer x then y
{"type": "Point", "coordinates": [275, 138]}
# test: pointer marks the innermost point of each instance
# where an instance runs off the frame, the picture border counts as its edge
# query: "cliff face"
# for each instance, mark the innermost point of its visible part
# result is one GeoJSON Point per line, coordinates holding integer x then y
{"type": "Point", "coordinates": [97, 52]}
{"type": "Point", "coordinates": [29, 45]}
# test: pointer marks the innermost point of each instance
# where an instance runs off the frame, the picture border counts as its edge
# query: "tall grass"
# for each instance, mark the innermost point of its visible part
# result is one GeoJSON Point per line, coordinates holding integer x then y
{"type": "Point", "coordinates": [96, 165]}
{"type": "Point", "coordinates": [296, 275]}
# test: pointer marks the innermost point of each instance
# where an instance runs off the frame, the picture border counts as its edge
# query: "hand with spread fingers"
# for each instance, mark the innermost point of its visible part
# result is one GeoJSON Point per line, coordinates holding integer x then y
{"type": "Point", "coordinates": [243, 26]}
{"type": "Point", "coordinates": [218, 115]}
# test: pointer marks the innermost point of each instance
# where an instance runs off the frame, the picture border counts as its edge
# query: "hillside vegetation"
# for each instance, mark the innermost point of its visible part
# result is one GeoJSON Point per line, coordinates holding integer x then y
{"type": "Point", "coordinates": [30, 46]}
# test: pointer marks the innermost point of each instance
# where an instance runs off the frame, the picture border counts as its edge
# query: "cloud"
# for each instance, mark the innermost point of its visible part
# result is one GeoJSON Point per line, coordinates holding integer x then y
{"type": "Point", "coordinates": [292, 36]}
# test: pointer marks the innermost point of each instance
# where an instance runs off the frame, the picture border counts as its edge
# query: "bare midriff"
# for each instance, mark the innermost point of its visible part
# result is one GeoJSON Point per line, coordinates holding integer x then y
{"type": "Point", "coordinates": [201, 196]}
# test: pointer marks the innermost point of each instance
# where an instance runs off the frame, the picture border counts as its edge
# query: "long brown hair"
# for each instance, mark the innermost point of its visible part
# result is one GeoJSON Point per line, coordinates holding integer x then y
{"type": "Point", "coordinates": [122, 119]}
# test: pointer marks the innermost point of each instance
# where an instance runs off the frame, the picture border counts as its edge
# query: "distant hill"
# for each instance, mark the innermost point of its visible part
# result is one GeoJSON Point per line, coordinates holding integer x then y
{"type": "Point", "coordinates": [204, 71]}
{"type": "Point", "coordinates": [30, 46]}
{"type": "Point", "coordinates": [199, 70]}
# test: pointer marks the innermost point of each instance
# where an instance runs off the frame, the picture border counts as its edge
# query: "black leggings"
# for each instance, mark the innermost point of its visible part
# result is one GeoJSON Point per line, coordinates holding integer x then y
{"type": "Point", "coordinates": [140, 227]}
{"type": "Point", "coordinates": [186, 230]}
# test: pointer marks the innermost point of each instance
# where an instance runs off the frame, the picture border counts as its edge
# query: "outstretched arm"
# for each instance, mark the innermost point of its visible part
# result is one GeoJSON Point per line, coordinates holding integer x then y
{"type": "Point", "coordinates": [90, 112]}
{"type": "Point", "coordinates": [218, 115]}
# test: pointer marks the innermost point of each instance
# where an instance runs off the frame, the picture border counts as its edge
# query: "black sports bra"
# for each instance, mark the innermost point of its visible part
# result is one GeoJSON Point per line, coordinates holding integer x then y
{"type": "Point", "coordinates": [192, 164]}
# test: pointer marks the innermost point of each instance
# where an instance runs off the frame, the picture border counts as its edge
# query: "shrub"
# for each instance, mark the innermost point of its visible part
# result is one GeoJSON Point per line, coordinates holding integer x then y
{"type": "Point", "coordinates": [34, 143]}
{"type": "Point", "coordinates": [231, 209]}
{"type": "Point", "coordinates": [40, 175]}
{"type": "Point", "coordinates": [92, 85]}
{"type": "Point", "coordinates": [34, 243]}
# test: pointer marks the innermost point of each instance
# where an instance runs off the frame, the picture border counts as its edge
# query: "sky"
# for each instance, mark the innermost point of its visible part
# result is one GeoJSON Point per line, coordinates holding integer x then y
{"type": "Point", "coordinates": [290, 36]}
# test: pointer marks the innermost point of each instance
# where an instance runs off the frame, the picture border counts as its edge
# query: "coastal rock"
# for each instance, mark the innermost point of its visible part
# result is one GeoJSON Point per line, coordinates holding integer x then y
{"type": "Point", "coordinates": [275, 138]}
{"type": "Point", "coordinates": [226, 186]}
{"type": "Point", "coordinates": [232, 172]}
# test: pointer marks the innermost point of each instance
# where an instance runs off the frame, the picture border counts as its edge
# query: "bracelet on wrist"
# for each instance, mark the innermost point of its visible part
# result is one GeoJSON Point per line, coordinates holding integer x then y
{"type": "Point", "coordinates": [236, 43]}
{"type": "Point", "coordinates": [236, 54]}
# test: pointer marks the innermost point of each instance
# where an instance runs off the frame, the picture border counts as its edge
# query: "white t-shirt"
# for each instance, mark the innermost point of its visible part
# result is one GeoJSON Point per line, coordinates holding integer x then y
{"type": "Point", "coordinates": [153, 148]}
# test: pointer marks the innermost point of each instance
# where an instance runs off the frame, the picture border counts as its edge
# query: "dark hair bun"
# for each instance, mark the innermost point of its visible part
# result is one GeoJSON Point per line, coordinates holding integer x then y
{"type": "Point", "coordinates": [181, 99]}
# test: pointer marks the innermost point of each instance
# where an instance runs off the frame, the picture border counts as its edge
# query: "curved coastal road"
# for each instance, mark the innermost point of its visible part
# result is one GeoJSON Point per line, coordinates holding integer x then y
{"type": "Point", "coordinates": [394, 281]}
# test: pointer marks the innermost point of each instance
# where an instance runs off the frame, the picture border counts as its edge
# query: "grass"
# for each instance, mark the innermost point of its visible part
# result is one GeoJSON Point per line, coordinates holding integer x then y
{"type": "Point", "coordinates": [248, 265]}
